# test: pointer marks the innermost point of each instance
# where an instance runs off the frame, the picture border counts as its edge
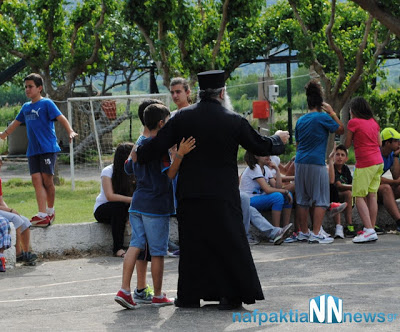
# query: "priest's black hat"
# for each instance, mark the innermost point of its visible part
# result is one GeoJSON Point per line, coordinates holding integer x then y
{"type": "Point", "coordinates": [212, 79]}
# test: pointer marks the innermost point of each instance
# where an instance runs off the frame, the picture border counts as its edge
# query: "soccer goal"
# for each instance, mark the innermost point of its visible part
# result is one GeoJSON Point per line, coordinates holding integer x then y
{"type": "Point", "coordinates": [102, 123]}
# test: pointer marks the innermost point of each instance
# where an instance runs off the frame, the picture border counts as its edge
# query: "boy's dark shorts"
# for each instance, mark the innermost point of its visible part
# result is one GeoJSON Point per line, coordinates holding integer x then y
{"type": "Point", "coordinates": [144, 255]}
{"type": "Point", "coordinates": [42, 163]}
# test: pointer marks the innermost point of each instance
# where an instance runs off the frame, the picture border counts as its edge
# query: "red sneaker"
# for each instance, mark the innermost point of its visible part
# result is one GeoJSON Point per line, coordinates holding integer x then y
{"type": "Point", "coordinates": [157, 302]}
{"type": "Point", "coordinates": [336, 208]}
{"type": "Point", "coordinates": [2, 264]}
{"type": "Point", "coordinates": [125, 300]}
{"type": "Point", "coordinates": [52, 217]}
{"type": "Point", "coordinates": [40, 222]}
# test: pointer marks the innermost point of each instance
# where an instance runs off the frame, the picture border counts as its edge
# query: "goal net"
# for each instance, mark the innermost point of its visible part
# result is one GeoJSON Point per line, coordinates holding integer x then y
{"type": "Point", "coordinates": [102, 123]}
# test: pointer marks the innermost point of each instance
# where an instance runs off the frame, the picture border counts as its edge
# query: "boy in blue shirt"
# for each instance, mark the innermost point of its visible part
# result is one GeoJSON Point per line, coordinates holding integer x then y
{"type": "Point", "coordinates": [39, 115]}
{"type": "Point", "coordinates": [150, 210]}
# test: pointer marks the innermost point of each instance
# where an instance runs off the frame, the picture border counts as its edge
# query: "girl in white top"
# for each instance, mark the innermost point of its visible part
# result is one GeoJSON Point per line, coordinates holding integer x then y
{"type": "Point", "coordinates": [115, 196]}
{"type": "Point", "coordinates": [265, 191]}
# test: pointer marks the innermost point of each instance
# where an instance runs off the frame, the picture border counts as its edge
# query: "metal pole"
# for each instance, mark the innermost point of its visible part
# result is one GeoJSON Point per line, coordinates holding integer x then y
{"type": "Point", "coordinates": [289, 99]}
{"type": "Point", "coordinates": [96, 135]}
{"type": "Point", "coordinates": [71, 150]}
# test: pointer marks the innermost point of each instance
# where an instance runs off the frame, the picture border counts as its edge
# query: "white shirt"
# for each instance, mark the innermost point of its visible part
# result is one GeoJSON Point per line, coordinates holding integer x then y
{"type": "Point", "coordinates": [101, 198]}
{"type": "Point", "coordinates": [248, 182]}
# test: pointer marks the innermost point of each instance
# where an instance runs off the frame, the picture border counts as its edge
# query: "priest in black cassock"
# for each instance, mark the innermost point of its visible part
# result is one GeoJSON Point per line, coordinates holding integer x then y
{"type": "Point", "coordinates": [215, 259]}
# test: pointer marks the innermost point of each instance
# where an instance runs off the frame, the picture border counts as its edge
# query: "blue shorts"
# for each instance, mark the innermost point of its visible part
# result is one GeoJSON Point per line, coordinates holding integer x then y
{"type": "Point", "coordinates": [274, 201]}
{"type": "Point", "coordinates": [153, 229]}
{"type": "Point", "coordinates": [42, 163]}
{"type": "Point", "coordinates": [312, 185]}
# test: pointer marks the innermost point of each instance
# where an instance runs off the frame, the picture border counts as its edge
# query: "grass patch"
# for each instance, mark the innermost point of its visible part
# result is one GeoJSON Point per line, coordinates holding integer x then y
{"type": "Point", "coordinates": [71, 206]}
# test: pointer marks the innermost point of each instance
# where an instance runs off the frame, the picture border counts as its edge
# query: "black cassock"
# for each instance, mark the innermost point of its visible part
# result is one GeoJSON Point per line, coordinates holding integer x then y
{"type": "Point", "coordinates": [215, 258]}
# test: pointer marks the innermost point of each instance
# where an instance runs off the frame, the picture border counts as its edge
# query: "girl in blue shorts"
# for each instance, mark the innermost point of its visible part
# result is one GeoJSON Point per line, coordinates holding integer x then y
{"type": "Point", "coordinates": [266, 192]}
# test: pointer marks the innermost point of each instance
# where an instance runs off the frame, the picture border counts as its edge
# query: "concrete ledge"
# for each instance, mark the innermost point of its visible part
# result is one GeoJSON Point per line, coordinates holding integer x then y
{"type": "Point", "coordinates": [10, 253]}
{"type": "Point", "coordinates": [92, 236]}
{"type": "Point", "coordinates": [384, 220]}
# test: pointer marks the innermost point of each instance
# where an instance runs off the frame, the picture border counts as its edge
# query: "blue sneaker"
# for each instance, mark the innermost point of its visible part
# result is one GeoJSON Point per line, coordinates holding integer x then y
{"type": "Point", "coordinates": [291, 239]}
{"type": "Point", "coordinates": [145, 296]}
{"type": "Point", "coordinates": [303, 237]}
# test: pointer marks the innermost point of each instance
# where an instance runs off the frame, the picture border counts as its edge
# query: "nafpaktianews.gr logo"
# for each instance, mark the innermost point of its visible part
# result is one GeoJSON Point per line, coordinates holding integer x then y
{"type": "Point", "coordinates": [325, 309]}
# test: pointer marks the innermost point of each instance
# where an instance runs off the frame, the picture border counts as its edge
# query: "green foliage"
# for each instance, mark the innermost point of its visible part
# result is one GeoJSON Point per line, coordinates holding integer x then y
{"type": "Point", "coordinates": [182, 35]}
{"type": "Point", "coordinates": [11, 95]}
{"type": "Point", "coordinates": [8, 113]}
{"type": "Point", "coordinates": [386, 106]}
{"type": "Point", "coordinates": [308, 33]}
{"type": "Point", "coordinates": [57, 40]}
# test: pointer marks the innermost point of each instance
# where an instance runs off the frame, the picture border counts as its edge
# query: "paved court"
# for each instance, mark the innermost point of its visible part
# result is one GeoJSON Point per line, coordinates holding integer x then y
{"type": "Point", "coordinates": [77, 294]}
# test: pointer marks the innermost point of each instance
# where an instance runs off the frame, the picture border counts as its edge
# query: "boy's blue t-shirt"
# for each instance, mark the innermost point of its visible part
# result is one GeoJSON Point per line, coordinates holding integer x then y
{"type": "Point", "coordinates": [39, 118]}
{"type": "Point", "coordinates": [312, 132]}
{"type": "Point", "coordinates": [153, 195]}
{"type": "Point", "coordinates": [388, 162]}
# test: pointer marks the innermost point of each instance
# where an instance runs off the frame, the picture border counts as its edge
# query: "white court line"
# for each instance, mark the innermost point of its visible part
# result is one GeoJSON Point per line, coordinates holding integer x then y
{"type": "Point", "coordinates": [59, 283]}
{"type": "Point", "coordinates": [319, 255]}
{"type": "Point", "coordinates": [57, 298]}
{"type": "Point", "coordinates": [119, 276]}
{"type": "Point", "coordinates": [174, 290]}
{"type": "Point", "coordinates": [70, 282]}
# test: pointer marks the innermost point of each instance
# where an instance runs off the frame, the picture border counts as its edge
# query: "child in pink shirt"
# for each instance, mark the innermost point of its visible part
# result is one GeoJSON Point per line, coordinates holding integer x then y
{"type": "Point", "coordinates": [363, 132]}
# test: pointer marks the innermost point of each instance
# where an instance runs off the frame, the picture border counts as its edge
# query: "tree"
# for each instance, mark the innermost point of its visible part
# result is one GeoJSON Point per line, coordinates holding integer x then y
{"type": "Point", "coordinates": [64, 41]}
{"type": "Point", "coordinates": [340, 42]}
{"type": "Point", "coordinates": [185, 38]}
{"type": "Point", "coordinates": [57, 40]}
{"type": "Point", "coordinates": [385, 11]}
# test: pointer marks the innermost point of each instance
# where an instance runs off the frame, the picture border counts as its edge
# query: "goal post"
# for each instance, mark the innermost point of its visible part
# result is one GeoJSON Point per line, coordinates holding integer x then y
{"type": "Point", "coordinates": [101, 123]}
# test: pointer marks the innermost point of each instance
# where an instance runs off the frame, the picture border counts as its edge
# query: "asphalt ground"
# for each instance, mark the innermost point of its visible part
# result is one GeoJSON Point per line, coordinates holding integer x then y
{"type": "Point", "coordinates": [78, 294]}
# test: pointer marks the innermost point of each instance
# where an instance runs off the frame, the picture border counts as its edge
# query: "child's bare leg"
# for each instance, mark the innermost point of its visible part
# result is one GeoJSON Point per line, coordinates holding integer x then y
{"type": "Point", "coordinates": [336, 218]}
{"type": "Point", "coordinates": [128, 267]}
{"type": "Point", "coordinates": [141, 271]}
{"type": "Point", "coordinates": [18, 249]}
{"type": "Point", "coordinates": [363, 211]}
{"type": "Point", "coordinates": [276, 218]}
{"type": "Point", "coordinates": [318, 217]}
{"type": "Point", "coordinates": [286, 216]}
{"type": "Point", "coordinates": [157, 271]}
{"type": "Point", "coordinates": [347, 197]}
{"type": "Point", "coordinates": [25, 239]}
{"type": "Point", "coordinates": [302, 218]}
{"type": "Point", "coordinates": [40, 191]}
{"type": "Point", "coordinates": [50, 189]}
{"type": "Point", "coordinates": [373, 208]}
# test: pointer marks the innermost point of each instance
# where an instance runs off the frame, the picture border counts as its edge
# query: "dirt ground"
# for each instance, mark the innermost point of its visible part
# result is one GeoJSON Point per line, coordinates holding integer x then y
{"type": "Point", "coordinates": [18, 168]}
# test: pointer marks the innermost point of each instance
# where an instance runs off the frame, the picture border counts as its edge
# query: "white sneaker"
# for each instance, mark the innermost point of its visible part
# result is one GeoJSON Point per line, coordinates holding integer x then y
{"type": "Point", "coordinates": [303, 237]}
{"type": "Point", "coordinates": [322, 231]}
{"type": "Point", "coordinates": [339, 232]}
{"type": "Point", "coordinates": [366, 236]}
{"type": "Point", "coordinates": [320, 238]}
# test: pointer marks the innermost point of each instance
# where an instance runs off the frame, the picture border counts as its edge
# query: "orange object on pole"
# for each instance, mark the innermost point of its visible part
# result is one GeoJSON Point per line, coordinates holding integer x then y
{"type": "Point", "coordinates": [110, 108]}
{"type": "Point", "coordinates": [261, 109]}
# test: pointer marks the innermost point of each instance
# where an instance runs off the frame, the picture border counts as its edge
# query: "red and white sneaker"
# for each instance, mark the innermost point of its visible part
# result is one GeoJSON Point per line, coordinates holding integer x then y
{"type": "Point", "coordinates": [2, 264]}
{"type": "Point", "coordinates": [37, 221]}
{"type": "Point", "coordinates": [52, 217]}
{"type": "Point", "coordinates": [161, 302]}
{"type": "Point", "coordinates": [336, 208]}
{"type": "Point", "coordinates": [365, 236]}
{"type": "Point", "coordinates": [125, 300]}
